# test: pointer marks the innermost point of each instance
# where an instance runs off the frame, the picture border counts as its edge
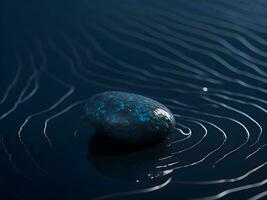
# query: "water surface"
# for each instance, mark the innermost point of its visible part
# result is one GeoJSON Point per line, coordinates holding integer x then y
{"type": "Point", "coordinates": [205, 60]}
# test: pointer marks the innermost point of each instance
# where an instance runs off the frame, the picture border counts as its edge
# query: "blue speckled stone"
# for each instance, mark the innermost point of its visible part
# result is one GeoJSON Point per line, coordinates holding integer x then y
{"type": "Point", "coordinates": [129, 117]}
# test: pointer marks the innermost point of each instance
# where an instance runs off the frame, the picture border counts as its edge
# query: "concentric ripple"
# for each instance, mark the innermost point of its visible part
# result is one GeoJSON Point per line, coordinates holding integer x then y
{"type": "Point", "coordinates": [205, 60]}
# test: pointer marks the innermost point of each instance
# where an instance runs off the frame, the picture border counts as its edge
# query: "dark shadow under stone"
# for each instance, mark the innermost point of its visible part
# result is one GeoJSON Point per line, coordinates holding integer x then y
{"type": "Point", "coordinates": [126, 161]}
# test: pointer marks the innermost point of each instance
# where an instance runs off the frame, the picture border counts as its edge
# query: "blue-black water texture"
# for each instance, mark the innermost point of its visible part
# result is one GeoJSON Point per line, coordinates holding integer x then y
{"type": "Point", "coordinates": [205, 60]}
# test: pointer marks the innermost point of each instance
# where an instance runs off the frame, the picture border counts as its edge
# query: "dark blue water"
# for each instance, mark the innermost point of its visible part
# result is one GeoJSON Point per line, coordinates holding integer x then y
{"type": "Point", "coordinates": [205, 60]}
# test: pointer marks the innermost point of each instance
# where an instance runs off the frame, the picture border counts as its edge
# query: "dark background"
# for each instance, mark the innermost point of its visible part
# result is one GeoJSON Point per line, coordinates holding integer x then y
{"type": "Point", "coordinates": [62, 52]}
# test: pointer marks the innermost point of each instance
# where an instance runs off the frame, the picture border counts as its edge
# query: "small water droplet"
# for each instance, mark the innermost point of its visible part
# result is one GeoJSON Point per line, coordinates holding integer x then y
{"type": "Point", "coordinates": [205, 89]}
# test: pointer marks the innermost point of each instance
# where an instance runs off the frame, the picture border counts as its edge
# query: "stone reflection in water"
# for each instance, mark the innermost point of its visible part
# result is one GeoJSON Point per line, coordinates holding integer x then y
{"type": "Point", "coordinates": [127, 161]}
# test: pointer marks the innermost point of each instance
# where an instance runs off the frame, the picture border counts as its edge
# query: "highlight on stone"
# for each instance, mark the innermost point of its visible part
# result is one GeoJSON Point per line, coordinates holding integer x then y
{"type": "Point", "coordinates": [129, 117]}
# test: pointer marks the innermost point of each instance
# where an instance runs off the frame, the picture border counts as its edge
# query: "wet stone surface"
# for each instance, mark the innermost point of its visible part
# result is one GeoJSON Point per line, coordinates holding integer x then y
{"type": "Point", "coordinates": [129, 117]}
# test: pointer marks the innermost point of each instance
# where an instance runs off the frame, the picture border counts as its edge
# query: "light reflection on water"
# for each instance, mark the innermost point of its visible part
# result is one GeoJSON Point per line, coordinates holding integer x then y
{"type": "Point", "coordinates": [206, 61]}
